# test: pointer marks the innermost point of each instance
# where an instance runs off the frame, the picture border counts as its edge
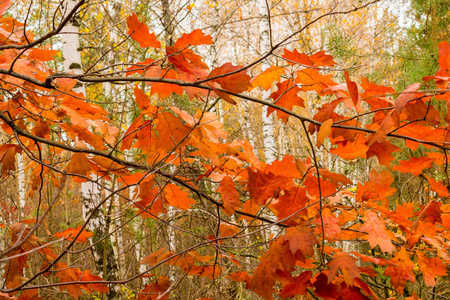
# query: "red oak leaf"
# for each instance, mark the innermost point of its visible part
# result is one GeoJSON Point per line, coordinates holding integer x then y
{"type": "Point", "coordinates": [295, 57]}
{"type": "Point", "coordinates": [67, 274]}
{"type": "Point", "coordinates": [414, 165]}
{"type": "Point", "coordinates": [236, 82]}
{"type": "Point", "coordinates": [378, 234]}
{"type": "Point", "coordinates": [321, 59]}
{"type": "Point", "coordinates": [286, 96]}
{"type": "Point", "coordinates": [268, 77]}
{"type": "Point", "coordinates": [140, 33]}
{"type": "Point", "coordinates": [352, 88]}
{"type": "Point", "coordinates": [407, 95]}
{"type": "Point", "coordinates": [401, 271]}
{"type": "Point", "coordinates": [324, 132]}
{"type": "Point", "coordinates": [196, 37]}
{"type": "Point", "coordinates": [297, 286]}
{"type": "Point", "coordinates": [71, 233]}
{"type": "Point", "coordinates": [301, 241]}
{"type": "Point", "coordinates": [178, 198]}
{"type": "Point", "coordinates": [347, 265]}
{"type": "Point", "coordinates": [431, 268]}
{"type": "Point", "coordinates": [444, 59]}
{"type": "Point", "coordinates": [230, 195]}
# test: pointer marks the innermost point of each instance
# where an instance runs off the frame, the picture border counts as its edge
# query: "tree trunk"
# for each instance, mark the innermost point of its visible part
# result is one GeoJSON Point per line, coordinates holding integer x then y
{"type": "Point", "coordinates": [91, 190]}
{"type": "Point", "coordinates": [268, 121]}
{"type": "Point", "coordinates": [21, 184]}
{"type": "Point", "coordinates": [169, 28]}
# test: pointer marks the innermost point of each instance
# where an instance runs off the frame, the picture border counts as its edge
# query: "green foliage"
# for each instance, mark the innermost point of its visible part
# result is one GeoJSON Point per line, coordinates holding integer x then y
{"type": "Point", "coordinates": [418, 52]}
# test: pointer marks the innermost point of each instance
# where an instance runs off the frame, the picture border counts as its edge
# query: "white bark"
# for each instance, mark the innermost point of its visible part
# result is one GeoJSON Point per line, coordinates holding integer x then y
{"type": "Point", "coordinates": [172, 241]}
{"type": "Point", "coordinates": [248, 130]}
{"type": "Point", "coordinates": [71, 46]}
{"type": "Point", "coordinates": [268, 122]}
{"type": "Point", "coordinates": [21, 184]}
{"type": "Point", "coordinates": [169, 28]}
{"type": "Point", "coordinates": [270, 152]}
{"type": "Point", "coordinates": [213, 54]}
{"type": "Point", "coordinates": [90, 191]}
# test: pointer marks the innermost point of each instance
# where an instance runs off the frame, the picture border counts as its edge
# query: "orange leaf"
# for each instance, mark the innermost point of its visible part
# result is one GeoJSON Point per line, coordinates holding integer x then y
{"type": "Point", "coordinates": [71, 233]}
{"type": "Point", "coordinates": [444, 59]}
{"type": "Point", "coordinates": [438, 187]}
{"type": "Point", "coordinates": [8, 158]}
{"type": "Point", "coordinates": [378, 234]}
{"type": "Point", "coordinates": [223, 95]}
{"type": "Point", "coordinates": [322, 59]}
{"type": "Point", "coordinates": [87, 136]}
{"type": "Point", "coordinates": [351, 150]}
{"type": "Point", "coordinates": [196, 37]}
{"type": "Point", "coordinates": [296, 57]}
{"type": "Point", "coordinates": [301, 241]}
{"type": "Point", "coordinates": [228, 229]}
{"type": "Point", "coordinates": [79, 164]}
{"type": "Point", "coordinates": [155, 290]}
{"type": "Point", "coordinates": [431, 268]}
{"type": "Point", "coordinates": [380, 135]}
{"type": "Point", "coordinates": [291, 204]}
{"type": "Point", "coordinates": [240, 276]}
{"type": "Point", "coordinates": [157, 257]}
{"type": "Point", "coordinates": [311, 80]}
{"type": "Point", "coordinates": [236, 83]}
{"type": "Point", "coordinates": [407, 95]}
{"type": "Point", "coordinates": [401, 271]}
{"type": "Point", "coordinates": [374, 260]}
{"type": "Point", "coordinates": [67, 274]}
{"type": "Point", "coordinates": [30, 295]}
{"type": "Point", "coordinates": [265, 185]}
{"type": "Point", "coordinates": [268, 77]}
{"type": "Point", "coordinates": [278, 259]}
{"type": "Point", "coordinates": [330, 224]}
{"type": "Point", "coordinates": [107, 166]}
{"type": "Point", "coordinates": [286, 96]}
{"type": "Point", "coordinates": [371, 89]}
{"type": "Point", "coordinates": [430, 213]}
{"type": "Point", "coordinates": [352, 88]}
{"type": "Point", "coordinates": [189, 66]}
{"type": "Point", "coordinates": [414, 165]}
{"type": "Point", "coordinates": [152, 202]}
{"type": "Point", "coordinates": [164, 90]}
{"type": "Point", "coordinates": [4, 5]}
{"type": "Point", "coordinates": [297, 286]}
{"type": "Point", "coordinates": [383, 151]}
{"type": "Point", "coordinates": [141, 98]}
{"type": "Point", "coordinates": [324, 132]}
{"type": "Point", "coordinates": [229, 195]}
{"type": "Point", "coordinates": [347, 265]}
{"type": "Point", "coordinates": [140, 33]}
{"type": "Point", "coordinates": [178, 198]}
{"type": "Point", "coordinates": [42, 55]}
{"type": "Point", "coordinates": [335, 178]}
{"type": "Point", "coordinates": [41, 128]}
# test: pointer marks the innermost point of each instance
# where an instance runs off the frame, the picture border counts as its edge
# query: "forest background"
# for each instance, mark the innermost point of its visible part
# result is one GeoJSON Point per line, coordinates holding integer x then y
{"type": "Point", "coordinates": [224, 149]}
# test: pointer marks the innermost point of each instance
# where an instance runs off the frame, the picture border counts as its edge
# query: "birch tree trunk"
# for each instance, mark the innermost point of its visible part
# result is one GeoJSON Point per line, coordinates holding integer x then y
{"type": "Point", "coordinates": [113, 204]}
{"type": "Point", "coordinates": [90, 191]}
{"type": "Point", "coordinates": [270, 152]}
{"type": "Point", "coordinates": [21, 184]}
{"type": "Point", "coordinates": [214, 53]}
{"type": "Point", "coordinates": [268, 121]}
{"type": "Point", "coordinates": [169, 28]}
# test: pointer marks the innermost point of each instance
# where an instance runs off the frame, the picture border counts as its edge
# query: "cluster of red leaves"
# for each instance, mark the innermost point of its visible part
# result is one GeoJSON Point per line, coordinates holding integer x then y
{"type": "Point", "coordinates": [307, 200]}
